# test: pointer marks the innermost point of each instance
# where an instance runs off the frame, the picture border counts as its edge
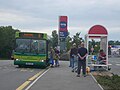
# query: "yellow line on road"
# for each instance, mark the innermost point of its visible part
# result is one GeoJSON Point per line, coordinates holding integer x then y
{"type": "Point", "coordinates": [35, 76]}
{"type": "Point", "coordinates": [30, 79]}
{"type": "Point", "coordinates": [23, 85]}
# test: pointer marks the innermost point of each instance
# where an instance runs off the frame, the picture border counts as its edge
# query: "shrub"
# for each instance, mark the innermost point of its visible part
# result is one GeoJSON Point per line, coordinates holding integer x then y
{"type": "Point", "coordinates": [111, 83]}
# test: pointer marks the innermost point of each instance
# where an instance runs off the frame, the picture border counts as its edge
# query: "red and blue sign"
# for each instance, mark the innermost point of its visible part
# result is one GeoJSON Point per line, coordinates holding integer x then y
{"type": "Point", "coordinates": [63, 34]}
{"type": "Point", "coordinates": [63, 23]}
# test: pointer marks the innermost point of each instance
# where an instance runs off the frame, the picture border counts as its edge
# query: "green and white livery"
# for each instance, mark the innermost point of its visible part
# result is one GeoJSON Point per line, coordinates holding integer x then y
{"type": "Point", "coordinates": [31, 49]}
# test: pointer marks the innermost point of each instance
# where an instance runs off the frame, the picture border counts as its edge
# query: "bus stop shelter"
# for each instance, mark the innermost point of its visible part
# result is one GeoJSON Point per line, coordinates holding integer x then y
{"type": "Point", "coordinates": [100, 33]}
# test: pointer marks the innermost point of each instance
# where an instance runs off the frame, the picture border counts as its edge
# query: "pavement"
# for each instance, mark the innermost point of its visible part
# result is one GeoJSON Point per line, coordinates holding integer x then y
{"type": "Point", "coordinates": [61, 78]}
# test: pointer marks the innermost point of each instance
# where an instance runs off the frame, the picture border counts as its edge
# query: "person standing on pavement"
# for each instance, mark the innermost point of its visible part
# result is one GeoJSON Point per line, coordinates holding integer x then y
{"type": "Point", "coordinates": [57, 57]}
{"type": "Point", "coordinates": [82, 54]}
{"type": "Point", "coordinates": [52, 54]}
{"type": "Point", "coordinates": [73, 57]}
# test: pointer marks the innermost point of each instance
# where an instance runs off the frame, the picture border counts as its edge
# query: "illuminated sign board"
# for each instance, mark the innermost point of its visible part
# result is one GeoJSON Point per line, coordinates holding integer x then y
{"type": "Point", "coordinates": [31, 35]}
{"type": "Point", "coordinates": [28, 35]}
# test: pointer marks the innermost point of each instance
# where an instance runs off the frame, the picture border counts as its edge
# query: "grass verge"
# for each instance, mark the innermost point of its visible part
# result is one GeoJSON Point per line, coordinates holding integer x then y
{"type": "Point", "coordinates": [109, 82]}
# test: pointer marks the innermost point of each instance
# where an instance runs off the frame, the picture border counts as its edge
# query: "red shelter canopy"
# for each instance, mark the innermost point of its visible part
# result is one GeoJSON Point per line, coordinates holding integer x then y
{"type": "Point", "coordinates": [98, 29]}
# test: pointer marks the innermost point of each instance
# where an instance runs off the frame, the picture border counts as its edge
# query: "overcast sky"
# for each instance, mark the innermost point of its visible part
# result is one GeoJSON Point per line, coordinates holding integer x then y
{"type": "Point", "coordinates": [43, 15]}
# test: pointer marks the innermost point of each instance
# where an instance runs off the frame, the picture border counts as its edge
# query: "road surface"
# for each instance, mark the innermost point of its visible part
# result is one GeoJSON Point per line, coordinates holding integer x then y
{"type": "Point", "coordinates": [12, 77]}
{"type": "Point", "coordinates": [115, 65]}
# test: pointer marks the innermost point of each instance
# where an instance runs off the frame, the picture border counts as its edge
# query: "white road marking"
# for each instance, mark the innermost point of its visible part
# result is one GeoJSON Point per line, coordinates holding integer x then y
{"type": "Point", "coordinates": [36, 80]}
{"type": "Point", "coordinates": [96, 82]}
{"type": "Point", "coordinates": [109, 64]}
{"type": "Point", "coordinates": [23, 70]}
{"type": "Point", "coordinates": [118, 64]}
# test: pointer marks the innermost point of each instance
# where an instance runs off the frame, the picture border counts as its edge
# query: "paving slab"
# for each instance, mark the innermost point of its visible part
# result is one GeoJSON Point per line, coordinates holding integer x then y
{"type": "Point", "coordinates": [61, 78]}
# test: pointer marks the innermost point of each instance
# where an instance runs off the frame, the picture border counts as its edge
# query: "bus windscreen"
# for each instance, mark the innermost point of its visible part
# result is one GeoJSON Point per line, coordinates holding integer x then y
{"type": "Point", "coordinates": [31, 46]}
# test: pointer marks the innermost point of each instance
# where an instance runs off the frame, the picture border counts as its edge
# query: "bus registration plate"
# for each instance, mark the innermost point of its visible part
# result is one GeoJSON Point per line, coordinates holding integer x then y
{"type": "Point", "coordinates": [29, 64]}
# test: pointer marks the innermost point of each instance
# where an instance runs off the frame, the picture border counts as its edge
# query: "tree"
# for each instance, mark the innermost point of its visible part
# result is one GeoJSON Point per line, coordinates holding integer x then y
{"type": "Point", "coordinates": [7, 41]}
{"type": "Point", "coordinates": [54, 38]}
{"type": "Point", "coordinates": [68, 42]}
{"type": "Point", "coordinates": [117, 42]}
{"type": "Point", "coordinates": [111, 42]}
{"type": "Point", "coordinates": [77, 39]}
{"type": "Point", "coordinates": [49, 42]}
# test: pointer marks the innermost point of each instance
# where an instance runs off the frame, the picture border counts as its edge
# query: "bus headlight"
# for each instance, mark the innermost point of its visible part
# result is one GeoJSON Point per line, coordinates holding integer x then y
{"type": "Point", "coordinates": [42, 60]}
{"type": "Point", "coordinates": [17, 59]}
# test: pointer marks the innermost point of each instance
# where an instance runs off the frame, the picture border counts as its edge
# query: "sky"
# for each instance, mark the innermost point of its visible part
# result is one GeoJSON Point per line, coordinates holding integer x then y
{"type": "Point", "coordinates": [43, 15]}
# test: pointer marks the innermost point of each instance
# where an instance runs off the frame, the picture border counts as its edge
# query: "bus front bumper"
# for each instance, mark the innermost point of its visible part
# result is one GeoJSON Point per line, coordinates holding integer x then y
{"type": "Point", "coordinates": [30, 63]}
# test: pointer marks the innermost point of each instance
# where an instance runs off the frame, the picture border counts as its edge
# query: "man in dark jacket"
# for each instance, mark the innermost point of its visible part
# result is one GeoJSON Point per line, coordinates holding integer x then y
{"type": "Point", "coordinates": [73, 57]}
{"type": "Point", "coordinates": [82, 54]}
